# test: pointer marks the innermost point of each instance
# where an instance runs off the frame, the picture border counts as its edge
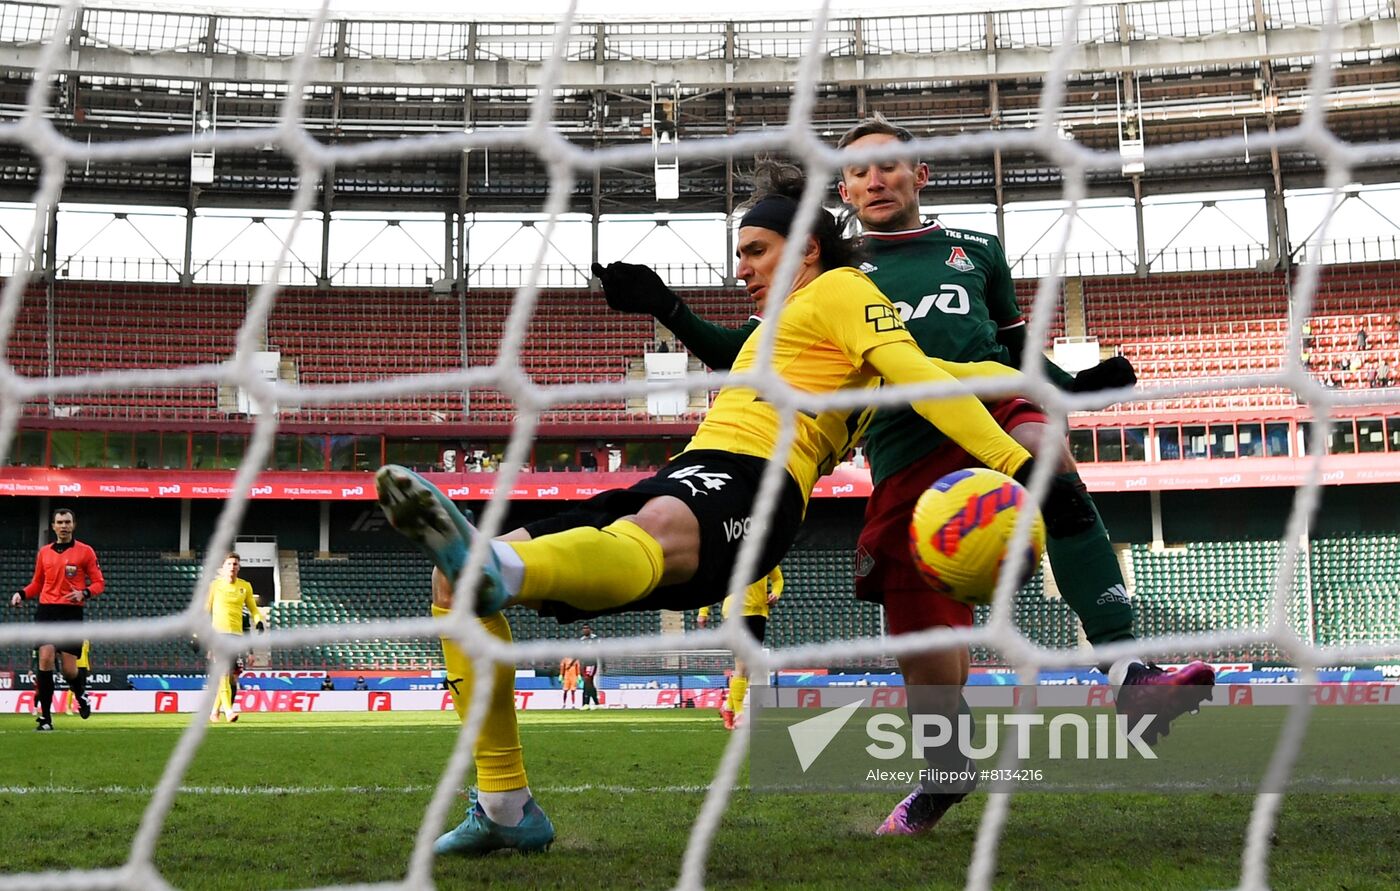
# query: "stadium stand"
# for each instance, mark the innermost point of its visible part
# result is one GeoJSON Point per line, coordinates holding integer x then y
{"type": "Point", "coordinates": [1212, 585]}
{"type": "Point", "coordinates": [1162, 323]}
{"type": "Point", "coordinates": [1357, 589]}
{"type": "Point", "coordinates": [349, 336]}
{"type": "Point", "coordinates": [1185, 326]}
{"type": "Point", "coordinates": [573, 339]}
{"type": "Point", "coordinates": [1026, 289]}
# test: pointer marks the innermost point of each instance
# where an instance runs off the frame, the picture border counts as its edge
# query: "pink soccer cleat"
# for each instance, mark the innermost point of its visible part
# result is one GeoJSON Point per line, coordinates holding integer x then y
{"type": "Point", "coordinates": [919, 812]}
{"type": "Point", "coordinates": [1150, 690]}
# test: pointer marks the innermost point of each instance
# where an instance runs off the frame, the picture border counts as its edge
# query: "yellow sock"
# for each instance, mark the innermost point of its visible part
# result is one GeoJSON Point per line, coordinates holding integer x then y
{"type": "Point", "coordinates": [223, 701]}
{"type": "Point", "coordinates": [592, 569]}
{"type": "Point", "coordinates": [500, 760]}
{"type": "Point", "coordinates": [738, 686]}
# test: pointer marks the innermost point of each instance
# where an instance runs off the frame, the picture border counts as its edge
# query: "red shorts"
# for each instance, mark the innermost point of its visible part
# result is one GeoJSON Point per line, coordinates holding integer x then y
{"type": "Point", "coordinates": [885, 570]}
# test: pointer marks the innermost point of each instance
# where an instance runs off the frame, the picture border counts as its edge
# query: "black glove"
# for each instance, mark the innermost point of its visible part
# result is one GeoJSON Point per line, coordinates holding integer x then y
{"type": "Point", "coordinates": [260, 627]}
{"type": "Point", "coordinates": [632, 287]}
{"type": "Point", "coordinates": [1107, 375]}
{"type": "Point", "coordinates": [1067, 509]}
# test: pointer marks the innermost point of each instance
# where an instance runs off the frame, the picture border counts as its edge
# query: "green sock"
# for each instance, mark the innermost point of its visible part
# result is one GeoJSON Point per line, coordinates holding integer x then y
{"type": "Point", "coordinates": [1091, 582]}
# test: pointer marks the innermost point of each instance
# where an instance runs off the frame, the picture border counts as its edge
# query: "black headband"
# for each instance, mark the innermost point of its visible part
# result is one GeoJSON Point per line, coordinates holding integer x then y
{"type": "Point", "coordinates": [775, 212]}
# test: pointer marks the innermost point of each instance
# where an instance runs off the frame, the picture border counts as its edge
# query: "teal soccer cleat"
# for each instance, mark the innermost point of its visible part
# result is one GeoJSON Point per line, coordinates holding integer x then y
{"type": "Point", "coordinates": [478, 835]}
{"type": "Point", "coordinates": [428, 518]}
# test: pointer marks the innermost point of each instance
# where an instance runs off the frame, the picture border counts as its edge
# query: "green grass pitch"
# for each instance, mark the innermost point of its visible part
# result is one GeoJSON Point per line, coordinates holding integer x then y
{"type": "Point", "coordinates": [292, 801]}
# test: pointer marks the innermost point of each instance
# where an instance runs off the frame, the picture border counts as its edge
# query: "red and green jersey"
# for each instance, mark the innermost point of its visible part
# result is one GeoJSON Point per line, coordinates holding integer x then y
{"type": "Point", "coordinates": [953, 289]}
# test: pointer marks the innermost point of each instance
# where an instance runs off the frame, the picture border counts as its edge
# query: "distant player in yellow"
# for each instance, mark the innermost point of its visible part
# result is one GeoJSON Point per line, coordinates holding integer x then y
{"type": "Point", "coordinates": [229, 595]}
{"type": "Point", "coordinates": [84, 664]}
{"type": "Point", "coordinates": [758, 599]}
{"type": "Point", "coordinates": [671, 541]}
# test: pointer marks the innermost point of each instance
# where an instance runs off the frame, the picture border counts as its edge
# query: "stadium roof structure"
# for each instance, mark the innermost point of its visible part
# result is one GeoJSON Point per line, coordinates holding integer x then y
{"type": "Point", "coordinates": [1226, 70]}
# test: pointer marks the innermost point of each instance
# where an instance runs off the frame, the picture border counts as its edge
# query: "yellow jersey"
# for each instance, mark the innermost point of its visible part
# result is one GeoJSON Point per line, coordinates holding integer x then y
{"type": "Point", "coordinates": [226, 602]}
{"type": "Point", "coordinates": [826, 328]}
{"type": "Point", "coordinates": [755, 596]}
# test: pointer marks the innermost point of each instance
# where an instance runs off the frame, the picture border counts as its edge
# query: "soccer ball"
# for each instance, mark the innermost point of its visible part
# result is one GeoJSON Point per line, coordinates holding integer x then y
{"type": "Point", "coordinates": [960, 533]}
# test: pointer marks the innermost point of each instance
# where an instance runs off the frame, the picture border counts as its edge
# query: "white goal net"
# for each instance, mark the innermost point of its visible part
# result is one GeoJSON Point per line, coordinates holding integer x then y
{"type": "Point", "coordinates": [566, 163]}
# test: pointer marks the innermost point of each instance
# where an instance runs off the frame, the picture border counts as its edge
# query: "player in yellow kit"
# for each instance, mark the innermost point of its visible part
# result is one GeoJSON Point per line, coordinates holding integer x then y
{"type": "Point", "coordinates": [758, 599]}
{"type": "Point", "coordinates": [229, 595]}
{"type": "Point", "coordinates": [84, 664]}
{"type": "Point", "coordinates": [671, 541]}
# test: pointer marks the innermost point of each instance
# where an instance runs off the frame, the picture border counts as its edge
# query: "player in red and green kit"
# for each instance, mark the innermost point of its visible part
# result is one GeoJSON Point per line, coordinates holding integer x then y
{"type": "Point", "coordinates": [955, 293]}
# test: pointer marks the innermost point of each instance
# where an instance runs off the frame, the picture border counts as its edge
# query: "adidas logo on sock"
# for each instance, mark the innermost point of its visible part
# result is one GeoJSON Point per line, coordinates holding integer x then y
{"type": "Point", "coordinates": [1116, 594]}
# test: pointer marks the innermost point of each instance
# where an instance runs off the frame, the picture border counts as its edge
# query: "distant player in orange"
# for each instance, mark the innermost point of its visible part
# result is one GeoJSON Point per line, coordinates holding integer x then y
{"type": "Point", "coordinates": [569, 671]}
{"type": "Point", "coordinates": [66, 576]}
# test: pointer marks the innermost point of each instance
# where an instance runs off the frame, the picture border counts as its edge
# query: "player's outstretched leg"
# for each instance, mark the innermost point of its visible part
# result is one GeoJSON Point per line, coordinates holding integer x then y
{"type": "Point", "coordinates": [1145, 689]}
{"type": "Point", "coordinates": [478, 834]}
{"type": "Point", "coordinates": [1091, 582]}
{"type": "Point", "coordinates": [504, 814]}
{"type": "Point", "coordinates": [428, 518]}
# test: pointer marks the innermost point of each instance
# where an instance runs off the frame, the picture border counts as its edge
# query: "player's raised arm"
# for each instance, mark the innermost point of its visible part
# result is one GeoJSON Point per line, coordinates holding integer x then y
{"type": "Point", "coordinates": [633, 287]}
